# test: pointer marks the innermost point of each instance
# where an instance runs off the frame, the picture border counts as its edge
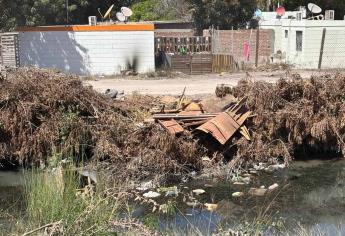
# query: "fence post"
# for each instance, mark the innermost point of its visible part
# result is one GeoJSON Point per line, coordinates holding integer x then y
{"type": "Point", "coordinates": [257, 47]}
{"type": "Point", "coordinates": [322, 47]}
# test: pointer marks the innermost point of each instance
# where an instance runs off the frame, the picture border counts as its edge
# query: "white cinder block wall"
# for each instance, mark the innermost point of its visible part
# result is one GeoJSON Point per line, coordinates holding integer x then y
{"type": "Point", "coordinates": [83, 50]}
{"type": "Point", "coordinates": [308, 58]}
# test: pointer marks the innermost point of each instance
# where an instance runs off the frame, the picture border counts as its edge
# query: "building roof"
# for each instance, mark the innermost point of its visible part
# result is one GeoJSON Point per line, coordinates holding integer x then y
{"type": "Point", "coordinates": [76, 28]}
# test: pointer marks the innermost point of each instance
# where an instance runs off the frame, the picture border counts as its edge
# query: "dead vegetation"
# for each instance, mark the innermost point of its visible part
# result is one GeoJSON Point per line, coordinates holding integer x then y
{"type": "Point", "coordinates": [294, 117]}
{"type": "Point", "coordinates": [47, 117]}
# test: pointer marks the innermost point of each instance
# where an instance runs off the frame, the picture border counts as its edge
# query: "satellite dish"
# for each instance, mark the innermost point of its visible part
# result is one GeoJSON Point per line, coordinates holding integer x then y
{"type": "Point", "coordinates": [280, 11]}
{"type": "Point", "coordinates": [126, 11]}
{"type": "Point", "coordinates": [108, 12]}
{"type": "Point", "coordinates": [120, 17]}
{"type": "Point", "coordinates": [258, 13]}
{"type": "Point", "coordinates": [315, 9]}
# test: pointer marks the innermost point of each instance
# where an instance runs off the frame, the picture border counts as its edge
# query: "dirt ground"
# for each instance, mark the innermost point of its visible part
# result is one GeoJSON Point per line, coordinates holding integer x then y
{"type": "Point", "coordinates": [196, 84]}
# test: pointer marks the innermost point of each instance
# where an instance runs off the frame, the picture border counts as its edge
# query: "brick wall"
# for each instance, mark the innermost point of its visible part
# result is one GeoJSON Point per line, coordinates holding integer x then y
{"type": "Point", "coordinates": [174, 33]}
{"type": "Point", "coordinates": [232, 42]}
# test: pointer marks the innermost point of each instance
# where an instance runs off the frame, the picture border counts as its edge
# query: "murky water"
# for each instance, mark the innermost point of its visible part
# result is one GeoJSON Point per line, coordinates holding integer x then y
{"type": "Point", "coordinates": [310, 193]}
{"type": "Point", "coordinates": [310, 197]}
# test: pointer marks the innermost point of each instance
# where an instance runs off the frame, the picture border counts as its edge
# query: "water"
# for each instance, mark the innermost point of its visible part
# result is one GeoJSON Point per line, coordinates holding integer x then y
{"type": "Point", "coordinates": [11, 183]}
{"type": "Point", "coordinates": [310, 193]}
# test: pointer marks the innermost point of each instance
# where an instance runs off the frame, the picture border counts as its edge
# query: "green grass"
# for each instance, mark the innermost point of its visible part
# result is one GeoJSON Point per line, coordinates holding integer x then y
{"type": "Point", "coordinates": [54, 197]}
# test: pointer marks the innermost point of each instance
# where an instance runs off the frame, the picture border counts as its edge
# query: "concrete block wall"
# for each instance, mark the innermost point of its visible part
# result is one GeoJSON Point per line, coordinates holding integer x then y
{"type": "Point", "coordinates": [87, 50]}
{"type": "Point", "coordinates": [232, 42]}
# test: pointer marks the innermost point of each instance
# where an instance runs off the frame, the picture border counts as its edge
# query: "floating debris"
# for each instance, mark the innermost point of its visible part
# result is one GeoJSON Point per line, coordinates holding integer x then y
{"type": "Point", "coordinates": [211, 207]}
{"type": "Point", "coordinates": [273, 187]}
{"type": "Point", "coordinates": [151, 194]}
{"type": "Point", "coordinates": [199, 191]}
{"type": "Point", "coordinates": [257, 192]}
{"type": "Point", "coordinates": [238, 194]}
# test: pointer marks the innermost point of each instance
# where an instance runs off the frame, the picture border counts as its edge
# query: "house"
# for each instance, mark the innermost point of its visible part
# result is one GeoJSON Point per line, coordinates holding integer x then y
{"type": "Point", "coordinates": [89, 49]}
{"type": "Point", "coordinates": [307, 44]}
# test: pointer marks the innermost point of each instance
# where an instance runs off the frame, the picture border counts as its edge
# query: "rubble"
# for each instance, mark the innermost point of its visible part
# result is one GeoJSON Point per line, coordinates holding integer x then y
{"type": "Point", "coordinates": [222, 126]}
{"type": "Point", "coordinates": [47, 117]}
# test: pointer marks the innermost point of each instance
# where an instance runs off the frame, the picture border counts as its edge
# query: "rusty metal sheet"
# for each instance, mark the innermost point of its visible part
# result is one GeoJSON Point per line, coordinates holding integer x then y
{"type": "Point", "coordinates": [222, 127]}
{"type": "Point", "coordinates": [171, 126]}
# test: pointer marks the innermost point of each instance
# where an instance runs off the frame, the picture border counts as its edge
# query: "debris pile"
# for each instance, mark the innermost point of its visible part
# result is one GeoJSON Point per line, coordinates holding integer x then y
{"type": "Point", "coordinates": [294, 117]}
{"type": "Point", "coordinates": [222, 126]}
{"type": "Point", "coordinates": [47, 117]}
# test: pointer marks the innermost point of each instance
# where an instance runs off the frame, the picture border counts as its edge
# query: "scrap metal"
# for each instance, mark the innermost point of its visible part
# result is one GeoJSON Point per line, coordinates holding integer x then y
{"type": "Point", "coordinates": [222, 126]}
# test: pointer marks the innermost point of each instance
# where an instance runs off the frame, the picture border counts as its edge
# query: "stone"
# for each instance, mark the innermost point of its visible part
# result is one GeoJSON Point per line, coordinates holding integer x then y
{"type": "Point", "coordinates": [237, 194]}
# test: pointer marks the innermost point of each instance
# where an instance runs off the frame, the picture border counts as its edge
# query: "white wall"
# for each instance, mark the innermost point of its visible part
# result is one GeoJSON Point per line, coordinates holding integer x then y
{"type": "Point", "coordinates": [90, 52]}
{"type": "Point", "coordinates": [308, 58]}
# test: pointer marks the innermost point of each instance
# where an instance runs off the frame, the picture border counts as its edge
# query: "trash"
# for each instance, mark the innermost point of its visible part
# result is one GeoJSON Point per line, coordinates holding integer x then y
{"type": "Point", "coordinates": [145, 186]}
{"type": "Point", "coordinates": [172, 126]}
{"type": "Point", "coordinates": [192, 109]}
{"type": "Point", "coordinates": [238, 194]}
{"type": "Point", "coordinates": [226, 124]}
{"type": "Point", "coordinates": [273, 187]}
{"type": "Point", "coordinates": [198, 191]}
{"type": "Point", "coordinates": [151, 194]}
{"type": "Point", "coordinates": [211, 207]}
{"type": "Point", "coordinates": [222, 126]}
{"type": "Point", "coordinates": [239, 183]}
{"type": "Point", "coordinates": [246, 180]}
{"type": "Point", "coordinates": [170, 191]}
{"type": "Point", "coordinates": [193, 204]}
{"type": "Point", "coordinates": [273, 168]}
{"type": "Point", "coordinates": [257, 192]}
{"type": "Point", "coordinates": [113, 93]}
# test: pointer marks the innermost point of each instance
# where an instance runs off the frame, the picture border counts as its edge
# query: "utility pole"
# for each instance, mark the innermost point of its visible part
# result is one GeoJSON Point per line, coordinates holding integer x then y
{"type": "Point", "coordinates": [67, 16]}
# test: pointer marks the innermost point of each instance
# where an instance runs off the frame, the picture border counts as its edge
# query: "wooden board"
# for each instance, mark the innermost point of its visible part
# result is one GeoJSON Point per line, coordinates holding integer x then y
{"type": "Point", "coordinates": [224, 63]}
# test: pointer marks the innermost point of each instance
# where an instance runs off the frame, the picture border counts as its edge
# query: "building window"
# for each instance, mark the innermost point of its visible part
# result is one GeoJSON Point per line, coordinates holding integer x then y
{"type": "Point", "coordinates": [286, 34]}
{"type": "Point", "coordinates": [299, 41]}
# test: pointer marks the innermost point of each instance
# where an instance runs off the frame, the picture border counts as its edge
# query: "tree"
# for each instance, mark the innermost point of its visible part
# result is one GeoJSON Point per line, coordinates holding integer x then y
{"type": "Point", "coordinates": [14, 13]}
{"type": "Point", "coordinates": [150, 10]}
{"type": "Point", "coordinates": [224, 14]}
